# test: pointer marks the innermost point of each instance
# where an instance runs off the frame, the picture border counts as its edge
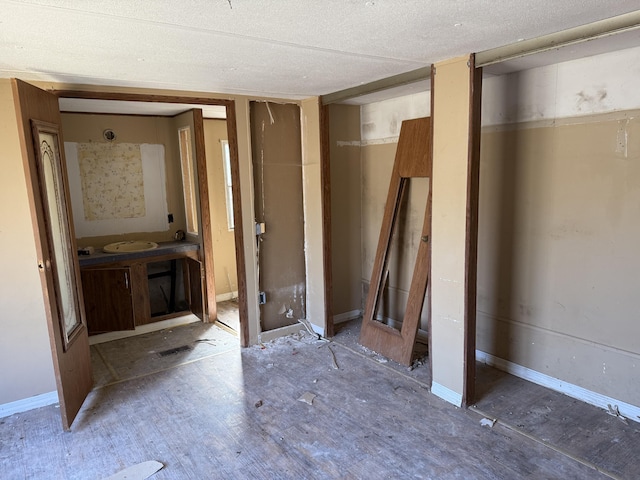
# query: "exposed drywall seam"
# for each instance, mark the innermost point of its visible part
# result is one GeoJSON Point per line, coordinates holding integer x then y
{"type": "Point", "coordinates": [350, 143]}
{"type": "Point", "coordinates": [381, 141]}
{"type": "Point", "coordinates": [584, 341]}
{"type": "Point", "coordinates": [564, 122]}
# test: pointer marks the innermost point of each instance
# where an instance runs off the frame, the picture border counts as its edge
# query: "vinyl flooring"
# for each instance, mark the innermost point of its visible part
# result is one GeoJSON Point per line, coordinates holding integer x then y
{"type": "Point", "coordinates": [294, 408]}
{"type": "Point", "coordinates": [228, 314]}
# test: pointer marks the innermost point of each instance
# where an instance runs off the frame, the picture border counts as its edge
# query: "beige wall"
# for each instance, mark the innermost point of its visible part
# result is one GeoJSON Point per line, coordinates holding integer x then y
{"type": "Point", "coordinates": [224, 248]}
{"type": "Point", "coordinates": [558, 260]}
{"type": "Point", "coordinates": [25, 354]}
{"type": "Point", "coordinates": [346, 242]}
{"type": "Point", "coordinates": [84, 128]}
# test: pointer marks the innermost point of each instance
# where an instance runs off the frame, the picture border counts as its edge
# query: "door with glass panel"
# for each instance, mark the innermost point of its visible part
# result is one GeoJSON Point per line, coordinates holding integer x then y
{"type": "Point", "coordinates": [45, 169]}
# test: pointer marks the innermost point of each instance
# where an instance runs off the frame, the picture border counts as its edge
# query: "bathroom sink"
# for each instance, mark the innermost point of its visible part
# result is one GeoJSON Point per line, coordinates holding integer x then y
{"type": "Point", "coordinates": [129, 247]}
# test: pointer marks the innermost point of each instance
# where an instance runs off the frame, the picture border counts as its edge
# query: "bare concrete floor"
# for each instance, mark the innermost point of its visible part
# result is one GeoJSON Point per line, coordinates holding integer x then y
{"type": "Point", "coordinates": [237, 414]}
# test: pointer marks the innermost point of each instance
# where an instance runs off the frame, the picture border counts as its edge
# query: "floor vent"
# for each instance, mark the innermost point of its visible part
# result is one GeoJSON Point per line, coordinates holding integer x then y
{"type": "Point", "coordinates": [173, 351]}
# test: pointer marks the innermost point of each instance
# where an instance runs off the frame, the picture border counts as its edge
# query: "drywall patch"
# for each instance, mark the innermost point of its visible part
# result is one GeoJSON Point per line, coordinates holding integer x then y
{"type": "Point", "coordinates": [591, 101]}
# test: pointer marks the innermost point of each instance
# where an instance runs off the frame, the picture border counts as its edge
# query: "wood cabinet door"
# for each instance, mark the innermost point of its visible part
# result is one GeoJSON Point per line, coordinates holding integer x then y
{"type": "Point", "coordinates": [196, 278]}
{"type": "Point", "coordinates": [108, 300]}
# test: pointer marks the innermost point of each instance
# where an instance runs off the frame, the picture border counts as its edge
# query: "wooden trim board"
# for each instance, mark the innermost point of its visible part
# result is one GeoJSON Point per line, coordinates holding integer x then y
{"type": "Point", "coordinates": [325, 182]}
{"type": "Point", "coordinates": [471, 236]}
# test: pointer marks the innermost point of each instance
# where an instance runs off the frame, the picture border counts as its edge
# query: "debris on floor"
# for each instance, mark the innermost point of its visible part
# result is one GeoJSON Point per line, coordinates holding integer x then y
{"type": "Point", "coordinates": [613, 410]}
{"type": "Point", "coordinates": [139, 471]}
{"type": "Point", "coordinates": [416, 363]}
{"type": "Point", "coordinates": [309, 328]}
{"type": "Point", "coordinates": [488, 422]}
{"type": "Point", "coordinates": [333, 358]}
{"type": "Point", "coordinates": [259, 403]}
{"type": "Point", "coordinates": [307, 398]}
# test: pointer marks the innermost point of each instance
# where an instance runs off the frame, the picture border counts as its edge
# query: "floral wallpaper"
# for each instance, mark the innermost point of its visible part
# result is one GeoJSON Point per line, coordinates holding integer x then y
{"type": "Point", "coordinates": [112, 180]}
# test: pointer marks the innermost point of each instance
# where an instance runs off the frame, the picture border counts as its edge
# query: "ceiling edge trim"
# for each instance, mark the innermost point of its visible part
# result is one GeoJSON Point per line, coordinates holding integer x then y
{"type": "Point", "coordinates": [413, 76]}
{"type": "Point", "coordinates": [602, 28]}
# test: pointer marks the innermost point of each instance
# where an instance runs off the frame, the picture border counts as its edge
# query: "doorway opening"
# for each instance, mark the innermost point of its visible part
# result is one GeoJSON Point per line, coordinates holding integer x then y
{"type": "Point", "coordinates": [172, 278]}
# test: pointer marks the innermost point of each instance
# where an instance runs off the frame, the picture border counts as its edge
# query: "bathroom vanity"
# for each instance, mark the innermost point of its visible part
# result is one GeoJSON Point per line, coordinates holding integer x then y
{"type": "Point", "coordinates": [125, 290]}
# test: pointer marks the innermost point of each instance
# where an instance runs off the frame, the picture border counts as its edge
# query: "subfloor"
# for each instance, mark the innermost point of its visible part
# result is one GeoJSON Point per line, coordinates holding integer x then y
{"type": "Point", "coordinates": [301, 408]}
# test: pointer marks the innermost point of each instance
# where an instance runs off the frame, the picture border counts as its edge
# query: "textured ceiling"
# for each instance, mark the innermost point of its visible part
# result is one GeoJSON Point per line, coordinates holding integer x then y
{"type": "Point", "coordinates": [277, 48]}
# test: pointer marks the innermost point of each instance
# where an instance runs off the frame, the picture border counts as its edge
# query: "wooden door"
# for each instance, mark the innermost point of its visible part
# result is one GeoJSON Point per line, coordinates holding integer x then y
{"type": "Point", "coordinates": [413, 159]}
{"type": "Point", "coordinates": [108, 299]}
{"type": "Point", "coordinates": [41, 144]}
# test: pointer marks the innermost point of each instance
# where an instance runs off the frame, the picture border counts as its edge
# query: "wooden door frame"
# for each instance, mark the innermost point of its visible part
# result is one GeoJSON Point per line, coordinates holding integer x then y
{"type": "Point", "coordinates": [325, 199]}
{"type": "Point", "coordinates": [207, 244]}
{"type": "Point", "coordinates": [471, 232]}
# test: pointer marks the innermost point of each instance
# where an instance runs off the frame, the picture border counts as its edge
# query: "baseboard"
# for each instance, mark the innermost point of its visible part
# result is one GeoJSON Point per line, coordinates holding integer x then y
{"type": "Point", "coordinates": [223, 297]}
{"type": "Point", "coordinates": [446, 394]}
{"type": "Point", "coordinates": [627, 410]}
{"type": "Point", "coordinates": [269, 335]}
{"type": "Point", "coordinates": [346, 316]}
{"type": "Point", "coordinates": [28, 404]}
{"type": "Point", "coordinates": [148, 328]}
